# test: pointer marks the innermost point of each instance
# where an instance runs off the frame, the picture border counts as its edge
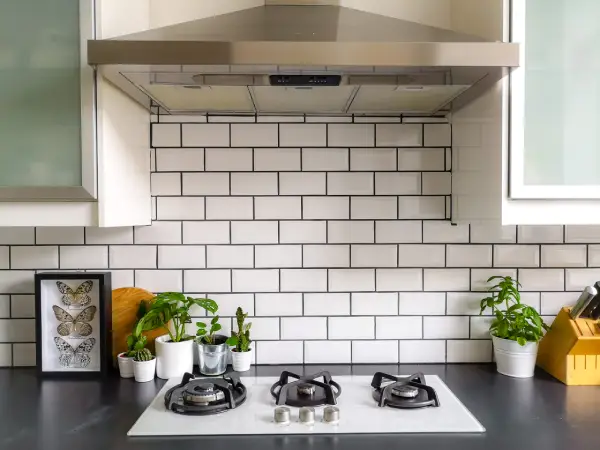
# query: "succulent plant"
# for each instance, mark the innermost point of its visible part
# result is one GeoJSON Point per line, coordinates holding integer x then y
{"type": "Point", "coordinates": [143, 355]}
{"type": "Point", "coordinates": [241, 339]}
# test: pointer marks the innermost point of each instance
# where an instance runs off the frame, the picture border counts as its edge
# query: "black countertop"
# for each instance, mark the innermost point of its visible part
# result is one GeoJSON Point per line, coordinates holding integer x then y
{"type": "Point", "coordinates": [538, 413]}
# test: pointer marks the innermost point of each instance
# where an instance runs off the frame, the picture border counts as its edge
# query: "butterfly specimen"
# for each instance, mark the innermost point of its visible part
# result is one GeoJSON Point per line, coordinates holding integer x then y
{"type": "Point", "coordinates": [77, 298]}
{"type": "Point", "coordinates": [76, 357]}
{"type": "Point", "coordinates": [74, 327]}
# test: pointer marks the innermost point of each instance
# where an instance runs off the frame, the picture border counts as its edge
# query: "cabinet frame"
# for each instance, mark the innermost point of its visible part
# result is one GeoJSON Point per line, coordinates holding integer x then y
{"type": "Point", "coordinates": [88, 191]}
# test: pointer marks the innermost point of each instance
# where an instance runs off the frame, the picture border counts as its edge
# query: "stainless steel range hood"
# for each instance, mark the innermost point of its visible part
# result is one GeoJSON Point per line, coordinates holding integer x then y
{"type": "Point", "coordinates": [287, 59]}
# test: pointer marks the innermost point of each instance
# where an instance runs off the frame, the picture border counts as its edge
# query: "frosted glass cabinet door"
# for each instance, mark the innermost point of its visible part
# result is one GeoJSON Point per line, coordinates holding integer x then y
{"type": "Point", "coordinates": [555, 100]}
{"type": "Point", "coordinates": [41, 98]}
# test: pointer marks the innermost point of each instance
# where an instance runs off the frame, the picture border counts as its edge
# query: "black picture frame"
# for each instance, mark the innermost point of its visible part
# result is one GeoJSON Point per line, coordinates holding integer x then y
{"type": "Point", "coordinates": [104, 341]}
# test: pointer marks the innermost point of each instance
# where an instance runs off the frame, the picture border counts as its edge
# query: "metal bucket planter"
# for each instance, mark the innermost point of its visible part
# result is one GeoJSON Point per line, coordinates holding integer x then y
{"type": "Point", "coordinates": [212, 359]}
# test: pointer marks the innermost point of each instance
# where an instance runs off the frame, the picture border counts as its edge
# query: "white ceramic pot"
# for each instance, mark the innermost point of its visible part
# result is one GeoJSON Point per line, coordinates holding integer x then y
{"type": "Point", "coordinates": [241, 360]}
{"type": "Point", "coordinates": [173, 359]}
{"type": "Point", "coordinates": [125, 365]}
{"type": "Point", "coordinates": [514, 360]}
{"type": "Point", "coordinates": [144, 370]}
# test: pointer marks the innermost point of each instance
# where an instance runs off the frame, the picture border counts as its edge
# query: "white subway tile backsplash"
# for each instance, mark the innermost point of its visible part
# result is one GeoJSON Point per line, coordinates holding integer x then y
{"type": "Point", "coordinates": [378, 304]}
{"type": "Point", "coordinates": [5, 306]}
{"type": "Point", "coordinates": [516, 256]}
{"type": "Point", "coordinates": [180, 208]}
{"type": "Point", "coordinates": [422, 352]}
{"type": "Point", "coordinates": [264, 328]}
{"type": "Point", "coordinates": [206, 232]}
{"type": "Point", "coordinates": [81, 257]}
{"type": "Point", "coordinates": [254, 183]}
{"type": "Point", "coordinates": [374, 256]}
{"type": "Point", "coordinates": [279, 304]}
{"type": "Point", "coordinates": [374, 208]}
{"type": "Point", "coordinates": [132, 257]}
{"type": "Point", "coordinates": [422, 303]}
{"type": "Point", "coordinates": [351, 232]}
{"type": "Point", "coordinates": [122, 278]}
{"type": "Point", "coordinates": [118, 235]}
{"type": "Point", "coordinates": [437, 183]}
{"type": "Point", "coordinates": [577, 279]}
{"type": "Point", "coordinates": [469, 256]}
{"type": "Point", "coordinates": [271, 256]}
{"type": "Point", "coordinates": [277, 159]}
{"type": "Point", "coordinates": [564, 255]}
{"type": "Point", "coordinates": [446, 279]}
{"type": "Point", "coordinates": [542, 279]}
{"type": "Point", "coordinates": [327, 304]}
{"type": "Point", "coordinates": [203, 135]}
{"type": "Point", "coordinates": [479, 278]}
{"type": "Point", "coordinates": [279, 352]}
{"type": "Point", "coordinates": [40, 257]}
{"type": "Point", "coordinates": [16, 281]}
{"type": "Point", "coordinates": [277, 208]}
{"type": "Point", "coordinates": [302, 183]}
{"type": "Point", "coordinates": [258, 280]}
{"type": "Point", "coordinates": [165, 183]}
{"type": "Point", "coordinates": [552, 302]}
{"type": "Point", "coordinates": [161, 281]}
{"type": "Point", "coordinates": [421, 207]}
{"type": "Point", "coordinates": [399, 328]}
{"type": "Point", "coordinates": [540, 234]}
{"type": "Point", "coordinates": [397, 183]}
{"type": "Point", "coordinates": [399, 280]}
{"type": "Point", "coordinates": [24, 355]}
{"type": "Point", "coordinates": [327, 352]}
{"type": "Point", "coordinates": [179, 159]}
{"type": "Point", "coordinates": [303, 135]}
{"type": "Point", "coordinates": [17, 235]}
{"type": "Point", "coordinates": [365, 352]}
{"type": "Point", "coordinates": [228, 304]}
{"type": "Point", "coordinates": [233, 160]}
{"type": "Point", "coordinates": [493, 233]}
{"type": "Point", "coordinates": [303, 328]}
{"type": "Point", "coordinates": [325, 208]}
{"type": "Point", "coordinates": [229, 208]}
{"type": "Point", "coordinates": [444, 232]}
{"type": "Point", "coordinates": [469, 351]}
{"type": "Point", "coordinates": [421, 159]}
{"type": "Point", "coordinates": [480, 327]}
{"type": "Point", "coordinates": [207, 280]}
{"type": "Point", "coordinates": [326, 255]}
{"type": "Point", "coordinates": [437, 135]}
{"type": "Point", "coordinates": [464, 303]}
{"type": "Point", "coordinates": [166, 135]}
{"type": "Point", "coordinates": [351, 280]}
{"type": "Point", "coordinates": [17, 330]}
{"type": "Point", "coordinates": [351, 327]}
{"type": "Point", "coordinates": [303, 232]}
{"type": "Point", "coordinates": [348, 183]}
{"type": "Point", "coordinates": [207, 183]}
{"type": "Point", "coordinates": [585, 234]}
{"type": "Point", "coordinates": [59, 235]}
{"type": "Point", "coordinates": [254, 232]}
{"type": "Point", "coordinates": [351, 135]}
{"type": "Point", "coordinates": [374, 159]}
{"type": "Point", "coordinates": [421, 255]}
{"type": "Point", "coordinates": [254, 135]}
{"type": "Point", "coordinates": [229, 256]}
{"type": "Point", "coordinates": [398, 231]}
{"type": "Point", "coordinates": [399, 135]}
{"type": "Point", "coordinates": [593, 255]}
{"type": "Point", "coordinates": [318, 159]}
{"type": "Point", "coordinates": [448, 327]}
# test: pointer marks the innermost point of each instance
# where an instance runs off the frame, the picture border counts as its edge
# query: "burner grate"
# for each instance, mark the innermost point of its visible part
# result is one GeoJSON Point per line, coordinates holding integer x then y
{"type": "Point", "coordinates": [305, 390]}
{"type": "Point", "coordinates": [408, 392]}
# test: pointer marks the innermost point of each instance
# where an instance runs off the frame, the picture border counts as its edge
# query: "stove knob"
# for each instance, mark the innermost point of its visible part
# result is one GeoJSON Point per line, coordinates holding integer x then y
{"type": "Point", "coordinates": [283, 415]}
{"type": "Point", "coordinates": [331, 414]}
{"type": "Point", "coordinates": [307, 415]}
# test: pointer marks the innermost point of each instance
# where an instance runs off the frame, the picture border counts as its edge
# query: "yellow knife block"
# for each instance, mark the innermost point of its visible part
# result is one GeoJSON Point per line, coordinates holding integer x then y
{"type": "Point", "coordinates": [570, 350]}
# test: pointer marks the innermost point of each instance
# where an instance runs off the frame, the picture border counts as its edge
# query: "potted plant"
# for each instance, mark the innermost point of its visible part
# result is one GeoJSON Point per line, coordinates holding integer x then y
{"type": "Point", "coordinates": [212, 348]}
{"type": "Point", "coordinates": [516, 328]}
{"type": "Point", "coordinates": [240, 341]}
{"type": "Point", "coordinates": [174, 350]}
{"type": "Point", "coordinates": [144, 365]}
{"type": "Point", "coordinates": [134, 342]}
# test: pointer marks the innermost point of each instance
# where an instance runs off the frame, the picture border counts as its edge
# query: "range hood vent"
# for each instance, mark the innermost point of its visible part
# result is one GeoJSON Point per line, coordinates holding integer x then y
{"type": "Point", "coordinates": [283, 59]}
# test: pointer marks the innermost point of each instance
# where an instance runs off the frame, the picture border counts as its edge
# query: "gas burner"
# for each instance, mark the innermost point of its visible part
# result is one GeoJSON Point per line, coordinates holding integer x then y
{"type": "Point", "coordinates": [306, 391]}
{"type": "Point", "coordinates": [409, 392]}
{"type": "Point", "coordinates": [202, 396]}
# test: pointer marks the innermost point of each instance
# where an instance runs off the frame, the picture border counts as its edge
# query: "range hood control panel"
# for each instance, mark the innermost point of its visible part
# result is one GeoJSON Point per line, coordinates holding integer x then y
{"type": "Point", "coordinates": [305, 80]}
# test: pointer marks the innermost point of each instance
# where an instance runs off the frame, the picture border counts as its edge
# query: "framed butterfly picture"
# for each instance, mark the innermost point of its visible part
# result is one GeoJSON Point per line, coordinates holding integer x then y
{"type": "Point", "coordinates": [73, 324]}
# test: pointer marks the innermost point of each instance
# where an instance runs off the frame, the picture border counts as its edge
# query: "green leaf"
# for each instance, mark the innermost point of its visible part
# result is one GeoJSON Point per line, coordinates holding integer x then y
{"type": "Point", "coordinates": [521, 341]}
{"type": "Point", "coordinates": [200, 332]}
{"type": "Point", "coordinates": [200, 324]}
{"type": "Point", "coordinates": [232, 341]}
{"type": "Point", "coordinates": [216, 327]}
{"type": "Point", "coordinates": [214, 320]}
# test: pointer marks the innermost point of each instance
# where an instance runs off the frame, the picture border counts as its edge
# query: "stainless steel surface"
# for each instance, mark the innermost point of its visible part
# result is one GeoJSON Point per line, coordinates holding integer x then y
{"type": "Point", "coordinates": [306, 389]}
{"type": "Point", "coordinates": [307, 415]}
{"type": "Point", "coordinates": [405, 391]}
{"type": "Point", "coordinates": [331, 414]}
{"type": "Point", "coordinates": [589, 292]}
{"type": "Point", "coordinates": [282, 415]}
{"type": "Point", "coordinates": [212, 359]}
{"type": "Point", "coordinates": [271, 39]}
{"type": "Point", "coordinates": [203, 394]}
{"type": "Point", "coordinates": [593, 304]}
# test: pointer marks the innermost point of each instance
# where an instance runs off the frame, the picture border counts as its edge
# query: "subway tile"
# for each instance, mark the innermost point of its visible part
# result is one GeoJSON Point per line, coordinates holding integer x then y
{"type": "Point", "coordinates": [277, 159]}
{"type": "Point", "coordinates": [327, 352]}
{"type": "Point", "coordinates": [326, 255]}
{"type": "Point", "coordinates": [165, 183]}
{"type": "Point", "coordinates": [446, 279]}
{"type": "Point", "coordinates": [593, 255]}
{"type": "Point", "coordinates": [326, 304]}
{"type": "Point", "coordinates": [377, 119]}
{"type": "Point", "coordinates": [421, 207]}
{"type": "Point", "coordinates": [132, 257]}
{"type": "Point", "coordinates": [179, 159]}
{"type": "Point", "coordinates": [16, 281]}
{"type": "Point", "coordinates": [302, 183]}
{"type": "Point", "coordinates": [263, 328]}
{"type": "Point", "coordinates": [22, 306]}
{"type": "Point", "coordinates": [254, 184]}
{"type": "Point", "coordinates": [40, 257]}
{"type": "Point", "coordinates": [540, 234]}
{"type": "Point", "coordinates": [351, 280]}
{"type": "Point", "coordinates": [118, 235]}
{"type": "Point", "coordinates": [24, 355]}
{"type": "Point", "coordinates": [464, 303]}
{"type": "Point", "coordinates": [82, 257]}
{"type": "Point", "coordinates": [204, 135]}
{"type": "Point", "coordinates": [576, 279]}
{"type": "Point", "coordinates": [326, 208]}
{"type": "Point", "coordinates": [397, 183]}
{"type": "Point", "coordinates": [584, 234]}
{"type": "Point", "coordinates": [493, 233]}
{"type": "Point", "coordinates": [374, 159]}
{"type": "Point", "coordinates": [207, 280]}
{"type": "Point", "coordinates": [564, 255]}
{"type": "Point", "coordinates": [254, 135]}
{"type": "Point", "coordinates": [374, 304]}
{"type": "Point", "coordinates": [5, 306]}
{"type": "Point", "coordinates": [254, 232]}
{"type": "Point", "coordinates": [206, 232]}
{"type": "Point", "coordinates": [17, 236]}
{"type": "Point", "coordinates": [422, 303]}
{"type": "Point", "coordinates": [229, 208]}
{"type": "Point", "coordinates": [122, 278]}
{"type": "Point", "coordinates": [180, 208]}
{"type": "Point", "coordinates": [422, 352]}
{"type": "Point", "coordinates": [351, 328]}
{"type": "Point", "coordinates": [399, 328]}
{"type": "Point", "coordinates": [277, 208]}
{"type": "Point", "coordinates": [303, 232]}
{"type": "Point", "coordinates": [181, 257]}
{"type": "Point", "coordinates": [271, 119]}
{"type": "Point", "coordinates": [279, 304]}
{"type": "Point", "coordinates": [437, 183]}
{"type": "Point", "coordinates": [263, 280]}
{"type": "Point", "coordinates": [552, 302]}
{"type": "Point", "coordinates": [318, 159]}
{"type": "Point", "coordinates": [181, 118]}
{"type": "Point", "coordinates": [542, 279]}
{"type": "Point", "coordinates": [389, 135]}
{"type": "Point", "coordinates": [375, 352]}
{"type": "Point", "coordinates": [398, 231]}
{"type": "Point", "coordinates": [303, 328]}
{"type": "Point", "coordinates": [516, 255]}
{"type": "Point", "coordinates": [166, 135]}
{"type": "Point", "coordinates": [228, 304]}
{"type": "Point", "coordinates": [469, 256]}
{"type": "Point", "coordinates": [480, 327]}
{"type": "Point", "coordinates": [351, 232]}
{"type": "Point", "coordinates": [303, 280]}
{"type": "Point", "coordinates": [303, 135]}
{"type": "Point", "coordinates": [465, 351]}
{"type": "Point", "coordinates": [479, 278]}
{"type": "Point", "coordinates": [215, 118]}
{"type": "Point", "coordinates": [374, 208]}
{"type": "Point", "coordinates": [5, 355]}
{"type": "Point", "coordinates": [279, 352]}
{"type": "Point", "coordinates": [348, 183]}
{"type": "Point", "coordinates": [314, 118]}
{"type": "Point", "coordinates": [59, 235]}
{"type": "Point", "coordinates": [445, 232]}
{"type": "Point", "coordinates": [271, 256]}
{"type": "Point", "coordinates": [421, 159]}
{"type": "Point", "coordinates": [17, 330]}
{"type": "Point", "coordinates": [160, 280]}
{"type": "Point", "coordinates": [421, 255]}
{"type": "Point", "coordinates": [374, 256]}
{"type": "Point", "coordinates": [351, 135]}
{"type": "Point", "coordinates": [206, 183]}
{"type": "Point", "coordinates": [228, 159]}
{"type": "Point", "coordinates": [445, 327]}
{"type": "Point", "coordinates": [437, 135]}
{"type": "Point", "coordinates": [399, 280]}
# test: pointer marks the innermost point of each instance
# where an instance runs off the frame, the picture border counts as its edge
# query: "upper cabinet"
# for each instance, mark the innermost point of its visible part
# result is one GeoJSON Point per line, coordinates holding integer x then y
{"type": "Point", "coordinates": [554, 100]}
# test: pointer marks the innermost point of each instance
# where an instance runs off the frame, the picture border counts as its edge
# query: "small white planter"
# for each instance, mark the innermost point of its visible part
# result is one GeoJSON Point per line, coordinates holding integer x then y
{"type": "Point", "coordinates": [144, 370]}
{"type": "Point", "coordinates": [125, 365]}
{"type": "Point", "coordinates": [173, 359]}
{"type": "Point", "coordinates": [512, 359]}
{"type": "Point", "coordinates": [241, 360]}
